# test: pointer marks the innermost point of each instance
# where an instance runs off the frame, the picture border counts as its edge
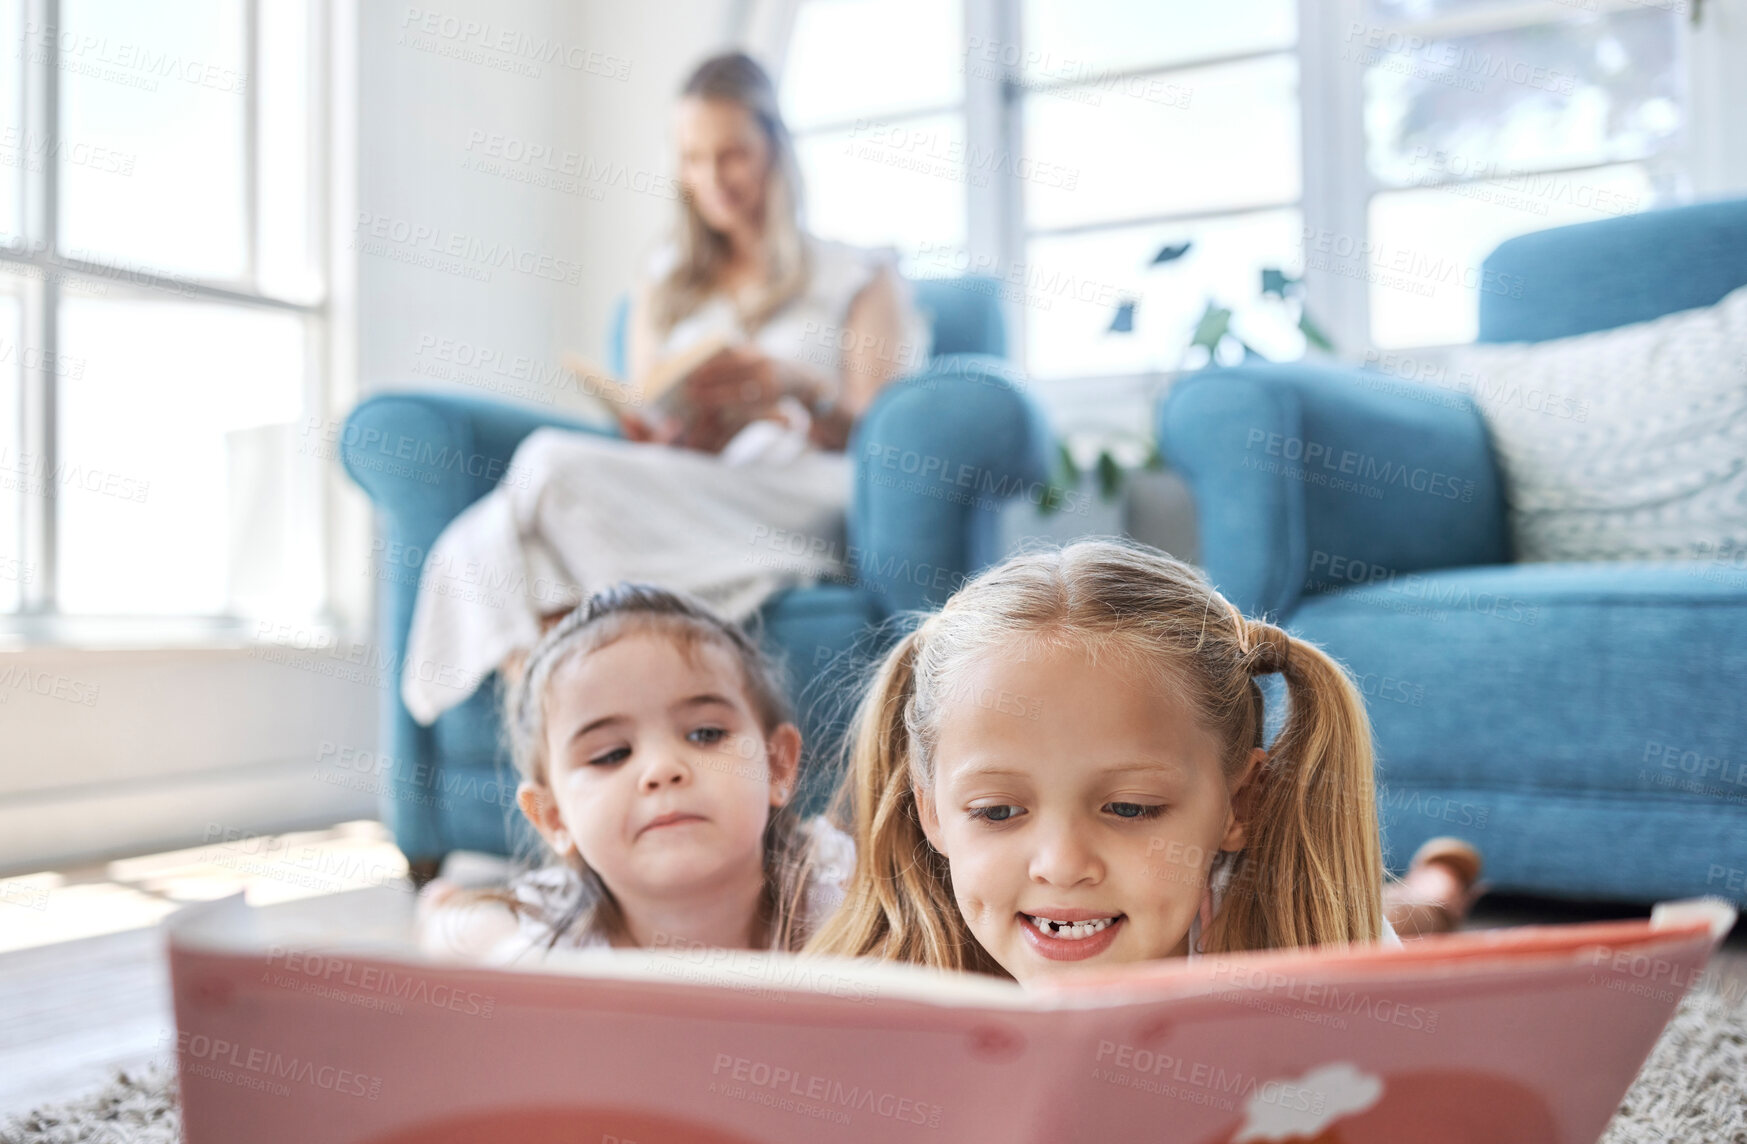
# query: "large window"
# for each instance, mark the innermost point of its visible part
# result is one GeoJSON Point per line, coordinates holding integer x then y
{"type": "Point", "coordinates": [162, 306]}
{"type": "Point", "coordinates": [1377, 148]}
{"type": "Point", "coordinates": [874, 93]}
{"type": "Point", "coordinates": [1483, 121]}
{"type": "Point", "coordinates": [1179, 124]}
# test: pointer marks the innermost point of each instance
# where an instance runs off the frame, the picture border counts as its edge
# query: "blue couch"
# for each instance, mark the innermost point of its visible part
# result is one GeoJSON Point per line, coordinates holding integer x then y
{"type": "Point", "coordinates": [915, 530]}
{"type": "Point", "coordinates": [1584, 724]}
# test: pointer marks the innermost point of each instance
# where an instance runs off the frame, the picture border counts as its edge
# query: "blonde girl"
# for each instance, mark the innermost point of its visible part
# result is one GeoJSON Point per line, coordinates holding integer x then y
{"type": "Point", "coordinates": [658, 757]}
{"type": "Point", "coordinates": [1066, 766]}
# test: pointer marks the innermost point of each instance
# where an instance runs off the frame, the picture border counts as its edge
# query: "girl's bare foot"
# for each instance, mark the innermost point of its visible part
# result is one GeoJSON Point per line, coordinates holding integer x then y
{"type": "Point", "coordinates": [1441, 885]}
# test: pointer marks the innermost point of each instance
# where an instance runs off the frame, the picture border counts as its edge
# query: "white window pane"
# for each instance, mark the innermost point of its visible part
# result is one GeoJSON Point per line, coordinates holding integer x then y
{"type": "Point", "coordinates": [173, 399]}
{"type": "Point", "coordinates": [852, 59]}
{"type": "Point", "coordinates": [15, 468]}
{"type": "Point", "coordinates": [286, 101]}
{"type": "Point", "coordinates": [1074, 283]}
{"type": "Point", "coordinates": [1403, 10]}
{"type": "Point", "coordinates": [152, 113]}
{"type": "Point", "coordinates": [1427, 246]}
{"type": "Point", "coordinates": [19, 151]}
{"type": "Point", "coordinates": [1553, 95]}
{"type": "Point", "coordinates": [1228, 139]}
{"type": "Point", "coordinates": [1086, 40]}
{"type": "Point", "coordinates": [891, 182]}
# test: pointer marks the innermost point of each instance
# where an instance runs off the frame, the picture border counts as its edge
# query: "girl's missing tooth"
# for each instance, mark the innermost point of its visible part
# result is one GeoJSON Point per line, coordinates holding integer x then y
{"type": "Point", "coordinates": [658, 756]}
{"type": "Point", "coordinates": [1065, 766]}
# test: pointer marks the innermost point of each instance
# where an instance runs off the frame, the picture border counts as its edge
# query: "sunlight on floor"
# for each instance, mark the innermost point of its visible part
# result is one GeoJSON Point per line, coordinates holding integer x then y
{"type": "Point", "coordinates": [62, 905]}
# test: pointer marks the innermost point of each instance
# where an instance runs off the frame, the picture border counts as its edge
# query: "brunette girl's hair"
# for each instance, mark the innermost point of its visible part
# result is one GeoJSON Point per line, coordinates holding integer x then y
{"type": "Point", "coordinates": [735, 77]}
{"type": "Point", "coordinates": [602, 619]}
{"type": "Point", "coordinates": [1311, 870]}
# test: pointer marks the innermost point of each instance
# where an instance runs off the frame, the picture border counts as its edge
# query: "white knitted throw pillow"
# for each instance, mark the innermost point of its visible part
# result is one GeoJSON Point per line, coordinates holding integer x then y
{"type": "Point", "coordinates": [1625, 444]}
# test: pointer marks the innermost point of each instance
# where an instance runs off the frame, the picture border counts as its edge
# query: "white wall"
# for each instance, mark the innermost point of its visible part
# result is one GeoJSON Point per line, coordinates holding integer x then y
{"type": "Point", "coordinates": [518, 263]}
{"type": "Point", "coordinates": [465, 157]}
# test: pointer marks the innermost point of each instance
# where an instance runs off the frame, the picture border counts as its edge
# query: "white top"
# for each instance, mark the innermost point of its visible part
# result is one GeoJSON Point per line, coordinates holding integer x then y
{"type": "Point", "coordinates": [810, 327]}
{"type": "Point", "coordinates": [552, 892]}
{"type": "Point", "coordinates": [1218, 879]}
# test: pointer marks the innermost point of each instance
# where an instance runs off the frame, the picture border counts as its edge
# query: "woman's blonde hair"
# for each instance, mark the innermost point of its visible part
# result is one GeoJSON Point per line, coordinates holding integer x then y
{"type": "Point", "coordinates": [1311, 870]}
{"type": "Point", "coordinates": [736, 78]}
{"type": "Point", "coordinates": [602, 619]}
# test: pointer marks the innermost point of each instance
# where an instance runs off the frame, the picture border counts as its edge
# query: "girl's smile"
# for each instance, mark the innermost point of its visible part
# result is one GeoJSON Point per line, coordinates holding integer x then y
{"type": "Point", "coordinates": [1053, 813]}
{"type": "Point", "coordinates": [1068, 934]}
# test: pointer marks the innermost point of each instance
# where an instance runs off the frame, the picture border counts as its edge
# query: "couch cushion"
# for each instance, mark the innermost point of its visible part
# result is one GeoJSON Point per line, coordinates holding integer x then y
{"type": "Point", "coordinates": [1625, 444]}
{"type": "Point", "coordinates": [1589, 679]}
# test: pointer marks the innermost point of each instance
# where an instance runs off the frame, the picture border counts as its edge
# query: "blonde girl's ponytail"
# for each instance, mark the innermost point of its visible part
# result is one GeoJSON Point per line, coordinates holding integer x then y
{"type": "Point", "coordinates": [1311, 870]}
{"type": "Point", "coordinates": [898, 905]}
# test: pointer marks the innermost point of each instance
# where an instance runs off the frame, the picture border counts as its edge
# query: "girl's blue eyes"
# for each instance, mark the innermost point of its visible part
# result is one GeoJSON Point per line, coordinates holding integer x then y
{"type": "Point", "coordinates": [1139, 811]}
{"type": "Point", "coordinates": [709, 735]}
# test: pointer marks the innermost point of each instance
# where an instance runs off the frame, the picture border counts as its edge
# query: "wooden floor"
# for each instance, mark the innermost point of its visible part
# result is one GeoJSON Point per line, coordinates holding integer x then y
{"type": "Point", "coordinates": [73, 1011]}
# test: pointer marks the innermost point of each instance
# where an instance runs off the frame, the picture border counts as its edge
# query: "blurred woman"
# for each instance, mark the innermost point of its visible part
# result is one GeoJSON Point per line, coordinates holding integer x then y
{"type": "Point", "coordinates": [794, 337]}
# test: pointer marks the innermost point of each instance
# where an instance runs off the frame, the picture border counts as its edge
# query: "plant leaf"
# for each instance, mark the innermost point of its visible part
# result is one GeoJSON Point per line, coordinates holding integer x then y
{"type": "Point", "coordinates": [1215, 321]}
{"type": "Point", "coordinates": [1109, 476]}
{"type": "Point", "coordinates": [1169, 253]}
{"type": "Point", "coordinates": [1123, 322]}
{"type": "Point", "coordinates": [1313, 333]}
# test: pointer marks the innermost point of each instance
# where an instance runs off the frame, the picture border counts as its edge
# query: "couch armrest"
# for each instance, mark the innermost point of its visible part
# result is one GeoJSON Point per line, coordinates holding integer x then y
{"type": "Point", "coordinates": [936, 456]}
{"type": "Point", "coordinates": [1309, 477]}
{"type": "Point", "coordinates": [423, 457]}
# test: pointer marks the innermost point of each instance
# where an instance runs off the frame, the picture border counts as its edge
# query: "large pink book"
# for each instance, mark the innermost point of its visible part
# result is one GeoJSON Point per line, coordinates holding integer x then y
{"type": "Point", "coordinates": [320, 1021]}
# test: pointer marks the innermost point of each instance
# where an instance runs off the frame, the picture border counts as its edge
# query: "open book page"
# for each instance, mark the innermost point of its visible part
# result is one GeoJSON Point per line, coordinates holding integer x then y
{"type": "Point", "coordinates": [320, 1022]}
{"type": "Point", "coordinates": [659, 395]}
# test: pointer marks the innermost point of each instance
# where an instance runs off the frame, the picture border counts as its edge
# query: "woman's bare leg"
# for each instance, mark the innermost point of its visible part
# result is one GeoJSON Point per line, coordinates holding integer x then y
{"type": "Point", "coordinates": [1438, 890]}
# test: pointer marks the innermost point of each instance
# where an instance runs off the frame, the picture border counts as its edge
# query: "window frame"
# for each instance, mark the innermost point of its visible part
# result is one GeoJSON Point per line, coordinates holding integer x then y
{"type": "Point", "coordinates": [1337, 186]}
{"type": "Point", "coordinates": [45, 271]}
